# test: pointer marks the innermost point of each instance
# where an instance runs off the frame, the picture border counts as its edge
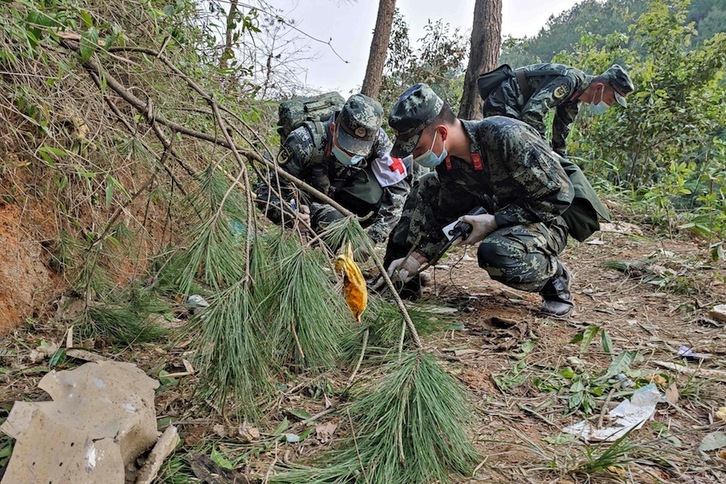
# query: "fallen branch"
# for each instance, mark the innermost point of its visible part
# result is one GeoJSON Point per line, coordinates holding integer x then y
{"type": "Point", "coordinates": [702, 372]}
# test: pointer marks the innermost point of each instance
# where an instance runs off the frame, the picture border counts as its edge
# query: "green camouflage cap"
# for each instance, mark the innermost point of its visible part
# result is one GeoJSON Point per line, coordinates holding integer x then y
{"type": "Point", "coordinates": [413, 111]}
{"type": "Point", "coordinates": [619, 79]}
{"type": "Point", "coordinates": [359, 121]}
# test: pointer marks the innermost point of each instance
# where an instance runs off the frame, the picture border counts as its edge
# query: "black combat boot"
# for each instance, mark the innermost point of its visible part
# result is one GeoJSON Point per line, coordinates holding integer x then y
{"type": "Point", "coordinates": [556, 294]}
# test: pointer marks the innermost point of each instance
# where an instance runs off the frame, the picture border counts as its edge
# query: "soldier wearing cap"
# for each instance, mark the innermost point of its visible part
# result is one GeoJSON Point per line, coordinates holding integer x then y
{"type": "Point", "coordinates": [499, 163]}
{"type": "Point", "coordinates": [347, 158]}
{"type": "Point", "coordinates": [529, 92]}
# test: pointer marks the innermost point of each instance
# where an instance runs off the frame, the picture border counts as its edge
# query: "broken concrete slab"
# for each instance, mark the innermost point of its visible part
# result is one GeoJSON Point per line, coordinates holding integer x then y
{"type": "Point", "coordinates": [100, 419]}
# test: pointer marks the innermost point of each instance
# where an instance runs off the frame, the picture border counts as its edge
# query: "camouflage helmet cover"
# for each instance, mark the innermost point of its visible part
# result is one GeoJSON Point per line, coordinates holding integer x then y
{"type": "Point", "coordinates": [413, 111]}
{"type": "Point", "coordinates": [619, 79]}
{"type": "Point", "coordinates": [359, 122]}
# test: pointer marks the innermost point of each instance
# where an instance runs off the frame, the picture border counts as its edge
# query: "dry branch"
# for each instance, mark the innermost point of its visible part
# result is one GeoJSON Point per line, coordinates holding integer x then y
{"type": "Point", "coordinates": [146, 110]}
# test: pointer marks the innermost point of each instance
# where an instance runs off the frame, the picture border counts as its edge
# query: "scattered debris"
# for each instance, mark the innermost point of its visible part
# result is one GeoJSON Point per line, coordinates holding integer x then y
{"type": "Point", "coordinates": [100, 419]}
{"type": "Point", "coordinates": [713, 441]}
{"type": "Point", "coordinates": [206, 470]}
{"type": "Point", "coordinates": [672, 394]}
{"type": "Point", "coordinates": [197, 301]}
{"type": "Point", "coordinates": [718, 313]}
{"type": "Point", "coordinates": [596, 241]}
{"type": "Point", "coordinates": [621, 228]}
{"type": "Point", "coordinates": [42, 352]}
{"type": "Point", "coordinates": [688, 354]}
{"type": "Point", "coordinates": [627, 416]}
{"type": "Point", "coordinates": [324, 432]}
{"type": "Point", "coordinates": [248, 433]}
{"type": "Point", "coordinates": [501, 334]}
{"type": "Point", "coordinates": [163, 448]}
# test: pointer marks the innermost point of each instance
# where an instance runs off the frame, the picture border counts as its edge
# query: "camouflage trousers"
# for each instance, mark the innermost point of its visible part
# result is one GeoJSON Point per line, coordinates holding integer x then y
{"type": "Point", "coordinates": [521, 256]}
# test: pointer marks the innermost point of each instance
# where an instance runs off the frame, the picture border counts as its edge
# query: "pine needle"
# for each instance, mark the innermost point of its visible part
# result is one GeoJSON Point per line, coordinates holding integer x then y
{"type": "Point", "coordinates": [124, 316]}
{"type": "Point", "coordinates": [346, 231]}
{"type": "Point", "coordinates": [216, 256]}
{"type": "Point", "coordinates": [408, 429]}
{"type": "Point", "coordinates": [232, 352]}
{"type": "Point", "coordinates": [307, 315]}
{"type": "Point", "coordinates": [385, 328]}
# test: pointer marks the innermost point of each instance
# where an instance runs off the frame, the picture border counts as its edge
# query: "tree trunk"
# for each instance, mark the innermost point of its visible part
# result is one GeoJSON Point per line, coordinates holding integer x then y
{"type": "Point", "coordinates": [379, 48]}
{"type": "Point", "coordinates": [486, 39]}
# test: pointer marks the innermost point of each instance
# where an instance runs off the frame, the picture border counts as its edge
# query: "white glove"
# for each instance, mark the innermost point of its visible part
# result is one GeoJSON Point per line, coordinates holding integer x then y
{"type": "Point", "coordinates": [482, 225]}
{"type": "Point", "coordinates": [403, 269]}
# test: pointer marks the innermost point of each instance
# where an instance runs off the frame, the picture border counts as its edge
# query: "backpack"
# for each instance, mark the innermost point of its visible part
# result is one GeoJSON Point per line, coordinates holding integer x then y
{"type": "Point", "coordinates": [487, 82]}
{"type": "Point", "coordinates": [297, 111]}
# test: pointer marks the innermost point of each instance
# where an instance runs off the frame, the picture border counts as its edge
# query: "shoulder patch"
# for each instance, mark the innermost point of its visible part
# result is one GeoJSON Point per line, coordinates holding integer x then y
{"type": "Point", "coordinates": [561, 91]}
{"type": "Point", "coordinates": [284, 155]}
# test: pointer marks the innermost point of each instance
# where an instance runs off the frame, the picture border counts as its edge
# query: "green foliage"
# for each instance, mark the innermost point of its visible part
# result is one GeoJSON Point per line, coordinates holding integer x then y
{"type": "Point", "coordinates": [308, 316]}
{"type": "Point", "coordinates": [600, 458]}
{"type": "Point", "coordinates": [600, 18]}
{"type": "Point", "coordinates": [387, 328]}
{"type": "Point", "coordinates": [667, 147]}
{"type": "Point", "coordinates": [232, 354]}
{"type": "Point", "coordinates": [125, 315]}
{"type": "Point", "coordinates": [439, 62]}
{"type": "Point", "coordinates": [407, 429]}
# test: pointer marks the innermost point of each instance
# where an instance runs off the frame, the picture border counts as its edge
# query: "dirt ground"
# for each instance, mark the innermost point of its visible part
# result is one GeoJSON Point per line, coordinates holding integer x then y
{"type": "Point", "coordinates": [653, 311]}
{"type": "Point", "coordinates": [512, 361]}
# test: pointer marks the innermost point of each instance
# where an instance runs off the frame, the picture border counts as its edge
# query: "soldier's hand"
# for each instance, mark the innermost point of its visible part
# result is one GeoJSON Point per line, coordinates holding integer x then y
{"type": "Point", "coordinates": [403, 269]}
{"type": "Point", "coordinates": [482, 225]}
{"type": "Point", "coordinates": [303, 213]}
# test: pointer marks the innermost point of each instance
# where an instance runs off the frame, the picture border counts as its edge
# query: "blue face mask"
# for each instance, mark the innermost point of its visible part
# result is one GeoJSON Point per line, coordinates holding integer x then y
{"type": "Point", "coordinates": [429, 159]}
{"type": "Point", "coordinates": [596, 109]}
{"type": "Point", "coordinates": [344, 158]}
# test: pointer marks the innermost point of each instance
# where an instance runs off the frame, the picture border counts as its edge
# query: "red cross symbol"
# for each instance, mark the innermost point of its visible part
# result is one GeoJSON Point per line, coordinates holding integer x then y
{"type": "Point", "coordinates": [397, 165]}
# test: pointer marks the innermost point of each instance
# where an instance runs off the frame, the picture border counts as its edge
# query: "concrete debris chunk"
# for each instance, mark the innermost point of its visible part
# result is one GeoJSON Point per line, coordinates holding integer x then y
{"type": "Point", "coordinates": [100, 419]}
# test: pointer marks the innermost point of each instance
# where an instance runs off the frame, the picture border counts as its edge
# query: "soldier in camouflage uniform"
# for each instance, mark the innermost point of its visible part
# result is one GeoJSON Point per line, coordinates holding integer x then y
{"type": "Point", "coordinates": [499, 163]}
{"type": "Point", "coordinates": [529, 92]}
{"type": "Point", "coordinates": [347, 158]}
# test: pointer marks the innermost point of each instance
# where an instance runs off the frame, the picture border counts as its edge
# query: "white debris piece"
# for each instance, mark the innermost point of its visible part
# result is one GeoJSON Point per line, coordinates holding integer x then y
{"type": "Point", "coordinates": [630, 414]}
{"type": "Point", "coordinates": [86, 434]}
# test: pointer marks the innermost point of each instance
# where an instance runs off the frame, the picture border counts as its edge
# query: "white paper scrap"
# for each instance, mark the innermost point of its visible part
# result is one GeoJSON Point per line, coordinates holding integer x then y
{"type": "Point", "coordinates": [630, 414]}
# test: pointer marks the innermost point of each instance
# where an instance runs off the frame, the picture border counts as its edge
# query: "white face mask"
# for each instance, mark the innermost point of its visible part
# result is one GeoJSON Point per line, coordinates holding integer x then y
{"type": "Point", "coordinates": [429, 159]}
{"type": "Point", "coordinates": [599, 108]}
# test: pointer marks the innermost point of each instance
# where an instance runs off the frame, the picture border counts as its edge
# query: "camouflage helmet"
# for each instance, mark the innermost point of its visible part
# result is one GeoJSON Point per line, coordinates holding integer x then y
{"type": "Point", "coordinates": [413, 111]}
{"type": "Point", "coordinates": [359, 122]}
{"type": "Point", "coordinates": [619, 79]}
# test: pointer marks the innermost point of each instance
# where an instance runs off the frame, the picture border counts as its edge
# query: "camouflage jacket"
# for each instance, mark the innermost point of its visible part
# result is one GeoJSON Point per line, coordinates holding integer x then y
{"type": "Point", "coordinates": [514, 174]}
{"type": "Point", "coordinates": [317, 166]}
{"type": "Point", "coordinates": [552, 86]}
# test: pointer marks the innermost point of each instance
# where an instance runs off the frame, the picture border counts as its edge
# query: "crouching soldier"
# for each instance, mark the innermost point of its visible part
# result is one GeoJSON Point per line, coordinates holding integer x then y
{"type": "Point", "coordinates": [348, 159]}
{"type": "Point", "coordinates": [500, 163]}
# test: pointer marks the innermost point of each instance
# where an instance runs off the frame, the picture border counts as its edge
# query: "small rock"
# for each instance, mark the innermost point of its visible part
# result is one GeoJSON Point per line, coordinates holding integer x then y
{"type": "Point", "coordinates": [719, 312]}
{"type": "Point", "coordinates": [197, 301]}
